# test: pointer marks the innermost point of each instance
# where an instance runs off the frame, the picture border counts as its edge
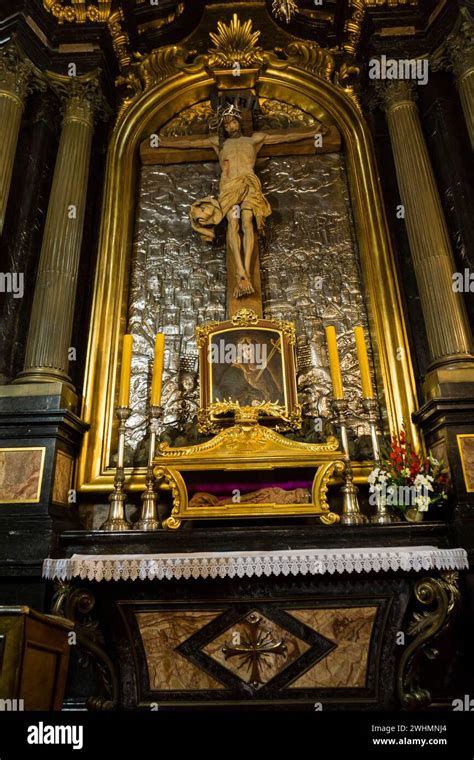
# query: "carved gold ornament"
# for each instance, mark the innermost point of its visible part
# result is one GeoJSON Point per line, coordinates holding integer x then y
{"type": "Point", "coordinates": [245, 318]}
{"type": "Point", "coordinates": [120, 39]}
{"type": "Point", "coordinates": [247, 446]}
{"type": "Point", "coordinates": [235, 43]}
{"type": "Point", "coordinates": [79, 11]}
{"type": "Point", "coordinates": [323, 63]}
{"type": "Point", "coordinates": [284, 9]}
{"type": "Point", "coordinates": [310, 57]}
{"type": "Point", "coordinates": [149, 70]}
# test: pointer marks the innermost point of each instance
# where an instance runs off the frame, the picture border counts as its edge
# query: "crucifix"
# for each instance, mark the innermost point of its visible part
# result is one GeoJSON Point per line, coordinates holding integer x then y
{"type": "Point", "coordinates": [255, 647]}
{"type": "Point", "coordinates": [241, 200]}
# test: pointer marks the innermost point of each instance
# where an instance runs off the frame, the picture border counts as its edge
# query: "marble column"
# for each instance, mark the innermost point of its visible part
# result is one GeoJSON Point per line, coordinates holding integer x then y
{"type": "Point", "coordinates": [458, 56]}
{"type": "Point", "coordinates": [448, 332]}
{"type": "Point", "coordinates": [55, 291]}
{"type": "Point", "coordinates": [14, 78]}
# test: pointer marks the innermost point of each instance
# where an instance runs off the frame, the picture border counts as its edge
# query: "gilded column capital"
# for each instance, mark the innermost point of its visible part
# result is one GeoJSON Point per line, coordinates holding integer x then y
{"type": "Point", "coordinates": [81, 97]}
{"type": "Point", "coordinates": [393, 93]}
{"type": "Point", "coordinates": [460, 46]}
{"type": "Point", "coordinates": [18, 76]}
{"type": "Point", "coordinates": [456, 54]}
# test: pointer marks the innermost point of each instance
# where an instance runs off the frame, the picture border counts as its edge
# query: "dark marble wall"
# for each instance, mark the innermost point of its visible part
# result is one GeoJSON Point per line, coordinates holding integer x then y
{"type": "Point", "coordinates": [20, 244]}
{"type": "Point", "coordinates": [406, 274]}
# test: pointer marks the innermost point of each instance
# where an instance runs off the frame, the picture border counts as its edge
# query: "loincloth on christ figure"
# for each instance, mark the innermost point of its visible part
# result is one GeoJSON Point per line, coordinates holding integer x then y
{"type": "Point", "coordinates": [244, 191]}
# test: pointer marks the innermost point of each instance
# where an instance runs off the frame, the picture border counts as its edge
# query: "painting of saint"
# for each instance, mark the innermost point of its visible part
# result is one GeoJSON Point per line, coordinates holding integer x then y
{"type": "Point", "coordinates": [247, 367]}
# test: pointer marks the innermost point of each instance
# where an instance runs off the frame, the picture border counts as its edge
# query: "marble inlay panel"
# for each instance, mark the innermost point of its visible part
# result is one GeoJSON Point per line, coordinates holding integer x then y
{"type": "Point", "coordinates": [62, 478]}
{"type": "Point", "coordinates": [466, 451]}
{"type": "Point", "coordinates": [349, 628]}
{"type": "Point", "coordinates": [21, 475]}
{"type": "Point", "coordinates": [161, 633]}
{"type": "Point", "coordinates": [263, 648]}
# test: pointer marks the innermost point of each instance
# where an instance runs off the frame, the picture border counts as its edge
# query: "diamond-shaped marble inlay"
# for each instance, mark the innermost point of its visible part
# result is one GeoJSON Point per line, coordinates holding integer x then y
{"type": "Point", "coordinates": [256, 649]}
{"type": "Point", "coordinates": [346, 665]}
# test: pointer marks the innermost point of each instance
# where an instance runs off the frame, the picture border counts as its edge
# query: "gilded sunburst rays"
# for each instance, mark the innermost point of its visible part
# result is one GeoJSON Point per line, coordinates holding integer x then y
{"type": "Point", "coordinates": [235, 43]}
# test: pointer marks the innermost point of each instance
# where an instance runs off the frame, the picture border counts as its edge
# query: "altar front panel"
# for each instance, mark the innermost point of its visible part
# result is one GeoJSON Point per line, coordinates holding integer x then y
{"type": "Point", "coordinates": [328, 642]}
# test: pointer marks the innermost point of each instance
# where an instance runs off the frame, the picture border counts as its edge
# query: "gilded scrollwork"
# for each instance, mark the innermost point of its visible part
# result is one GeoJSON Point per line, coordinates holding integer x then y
{"type": "Point", "coordinates": [146, 71]}
{"type": "Point", "coordinates": [322, 490]}
{"type": "Point", "coordinates": [346, 77]}
{"type": "Point", "coordinates": [311, 57]}
{"type": "Point", "coordinates": [246, 437]}
{"type": "Point", "coordinates": [245, 318]}
{"type": "Point", "coordinates": [275, 114]}
{"type": "Point", "coordinates": [76, 604]}
{"type": "Point", "coordinates": [203, 332]}
{"type": "Point", "coordinates": [441, 596]}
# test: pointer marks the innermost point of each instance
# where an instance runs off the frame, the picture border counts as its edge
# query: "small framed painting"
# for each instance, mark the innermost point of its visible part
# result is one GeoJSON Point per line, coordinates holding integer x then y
{"type": "Point", "coordinates": [466, 453]}
{"type": "Point", "coordinates": [247, 363]}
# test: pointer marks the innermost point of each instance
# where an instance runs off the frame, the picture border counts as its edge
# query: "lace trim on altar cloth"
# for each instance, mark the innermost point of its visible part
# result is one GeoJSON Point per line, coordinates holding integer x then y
{"type": "Point", "coordinates": [247, 564]}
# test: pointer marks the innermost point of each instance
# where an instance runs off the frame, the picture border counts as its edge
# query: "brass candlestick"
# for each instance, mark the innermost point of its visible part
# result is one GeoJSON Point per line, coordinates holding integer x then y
{"type": "Point", "coordinates": [149, 513]}
{"type": "Point", "coordinates": [382, 516]}
{"type": "Point", "coordinates": [116, 519]}
{"type": "Point", "coordinates": [351, 514]}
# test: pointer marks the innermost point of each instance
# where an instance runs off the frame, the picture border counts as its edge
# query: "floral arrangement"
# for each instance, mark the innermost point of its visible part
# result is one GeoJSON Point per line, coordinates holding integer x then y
{"type": "Point", "coordinates": [407, 481]}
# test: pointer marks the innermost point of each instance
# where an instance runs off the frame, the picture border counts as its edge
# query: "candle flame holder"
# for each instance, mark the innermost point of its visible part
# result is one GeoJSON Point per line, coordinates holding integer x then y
{"type": "Point", "coordinates": [351, 514]}
{"type": "Point", "coordinates": [382, 515]}
{"type": "Point", "coordinates": [116, 520]}
{"type": "Point", "coordinates": [149, 514]}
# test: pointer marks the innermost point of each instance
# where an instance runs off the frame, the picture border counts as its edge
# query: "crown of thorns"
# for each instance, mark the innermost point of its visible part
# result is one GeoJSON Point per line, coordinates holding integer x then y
{"type": "Point", "coordinates": [223, 112]}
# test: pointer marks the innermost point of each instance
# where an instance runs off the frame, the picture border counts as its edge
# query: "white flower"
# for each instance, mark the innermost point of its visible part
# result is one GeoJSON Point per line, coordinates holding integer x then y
{"type": "Point", "coordinates": [422, 482]}
{"type": "Point", "coordinates": [372, 479]}
{"type": "Point", "coordinates": [422, 503]}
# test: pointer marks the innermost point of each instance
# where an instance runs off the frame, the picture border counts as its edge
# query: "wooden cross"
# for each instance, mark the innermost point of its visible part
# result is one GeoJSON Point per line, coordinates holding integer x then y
{"type": "Point", "coordinates": [193, 148]}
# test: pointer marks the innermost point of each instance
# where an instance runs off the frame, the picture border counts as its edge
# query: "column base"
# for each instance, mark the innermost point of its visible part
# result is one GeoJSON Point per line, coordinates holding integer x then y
{"type": "Point", "coordinates": [43, 375]}
{"type": "Point", "coordinates": [40, 436]}
{"type": "Point", "coordinates": [451, 377]}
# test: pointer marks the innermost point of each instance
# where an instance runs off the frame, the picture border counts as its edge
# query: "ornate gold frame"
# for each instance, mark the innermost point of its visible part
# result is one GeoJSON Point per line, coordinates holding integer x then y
{"type": "Point", "coordinates": [287, 416]}
{"type": "Point", "coordinates": [248, 446]}
{"type": "Point", "coordinates": [162, 85]}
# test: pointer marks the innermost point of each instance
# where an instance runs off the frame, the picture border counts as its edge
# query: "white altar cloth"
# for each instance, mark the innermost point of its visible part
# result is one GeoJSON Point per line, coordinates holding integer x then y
{"type": "Point", "coordinates": [99, 567]}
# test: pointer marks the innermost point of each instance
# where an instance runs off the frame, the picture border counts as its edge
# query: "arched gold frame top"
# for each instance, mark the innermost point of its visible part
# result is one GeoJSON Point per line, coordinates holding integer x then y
{"type": "Point", "coordinates": [109, 312]}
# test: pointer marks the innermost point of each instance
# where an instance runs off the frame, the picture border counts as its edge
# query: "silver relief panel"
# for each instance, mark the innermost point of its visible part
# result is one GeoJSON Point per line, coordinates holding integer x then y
{"type": "Point", "coordinates": [310, 275]}
{"type": "Point", "coordinates": [177, 282]}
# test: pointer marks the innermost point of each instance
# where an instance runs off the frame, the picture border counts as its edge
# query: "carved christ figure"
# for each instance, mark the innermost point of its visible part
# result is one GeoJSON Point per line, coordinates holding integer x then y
{"type": "Point", "coordinates": [241, 199]}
